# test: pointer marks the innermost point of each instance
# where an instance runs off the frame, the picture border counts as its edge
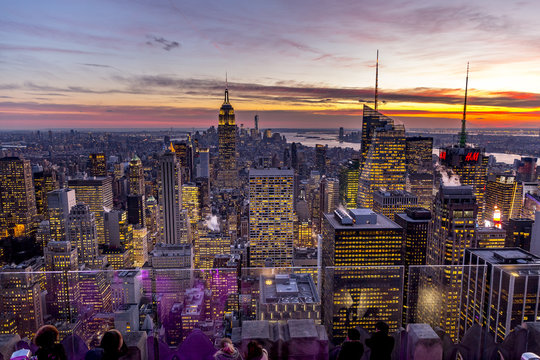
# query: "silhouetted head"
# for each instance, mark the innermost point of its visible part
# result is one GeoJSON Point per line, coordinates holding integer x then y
{"type": "Point", "coordinates": [255, 349]}
{"type": "Point", "coordinates": [353, 334]}
{"type": "Point", "coordinates": [46, 336]}
{"type": "Point", "coordinates": [112, 341]}
{"type": "Point", "coordinates": [382, 327]}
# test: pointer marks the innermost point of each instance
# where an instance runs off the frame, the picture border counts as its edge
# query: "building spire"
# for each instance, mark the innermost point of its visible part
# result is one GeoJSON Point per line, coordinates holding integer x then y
{"type": "Point", "coordinates": [377, 81]}
{"type": "Point", "coordinates": [226, 101]}
{"type": "Point", "coordinates": [463, 134]}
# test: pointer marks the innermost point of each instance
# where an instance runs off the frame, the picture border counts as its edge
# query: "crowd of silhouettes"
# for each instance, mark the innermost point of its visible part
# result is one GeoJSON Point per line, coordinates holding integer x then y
{"type": "Point", "coordinates": [380, 345]}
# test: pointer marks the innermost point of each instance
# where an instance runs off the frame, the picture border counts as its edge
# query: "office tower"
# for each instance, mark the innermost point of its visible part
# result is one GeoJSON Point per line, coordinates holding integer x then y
{"type": "Point", "coordinates": [453, 227]}
{"type": "Point", "coordinates": [203, 184]}
{"type": "Point", "coordinates": [505, 194]}
{"type": "Point", "coordinates": [416, 224]}
{"type": "Point", "coordinates": [227, 172]}
{"type": "Point", "coordinates": [20, 298]}
{"type": "Point", "coordinates": [170, 198]}
{"type": "Point", "coordinates": [59, 203]}
{"type": "Point", "coordinates": [341, 134]}
{"type": "Point", "coordinates": [470, 164]}
{"type": "Point", "coordinates": [499, 290]}
{"type": "Point", "coordinates": [140, 246]}
{"type": "Point", "coordinates": [17, 197]}
{"type": "Point", "coordinates": [271, 216]}
{"type": "Point", "coordinates": [44, 182]}
{"type": "Point", "coordinates": [82, 233]}
{"type": "Point", "coordinates": [97, 194]}
{"type": "Point", "coordinates": [294, 157]}
{"type": "Point", "coordinates": [489, 237]}
{"type": "Point", "coordinates": [418, 151]}
{"type": "Point", "coordinates": [361, 296]}
{"type": "Point", "coordinates": [97, 165]}
{"type": "Point", "coordinates": [95, 292]}
{"type": "Point", "coordinates": [153, 222]}
{"type": "Point", "coordinates": [320, 158]}
{"type": "Point", "coordinates": [117, 258]}
{"type": "Point", "coordinates": [288, 296]}
{"type": "Point", "coordinates": [62, 289]}
{"type": "Point", "coordinates": [384, 166]}
{"type": "Point", "coordinates": [118, 232]}
{"type": "Point", "coordinates": [421, 185]}
{"type": "Point", "coordinates": [184, 154]}
{"type": "Point", "coordinates": [349, 175]}
{"type": "Point", "coordinates": [256, 122]}
{"type": "Point", "coordinates": [371, 120]}
{"type": "Point", "coordinates": [203, 164]}
{"type": "Point", "coordinates": [389, 203]}
{"type": "Point", "coordinates": [136, 209]}
{"type": "Point", "coordinates": [526, 169]}
{"type": "Point", "coordinates": [518, 233]}
{"type": "Point", "coordinates": [531, 204]}
{"type": "Point", "coordinates": [136, 177]}
{"type": "Point", "coordinates": [190, 202]}
{"type": "Point", "coordinates": [329, 190]}
{"type": "Point", "coordinates": [207, 245]}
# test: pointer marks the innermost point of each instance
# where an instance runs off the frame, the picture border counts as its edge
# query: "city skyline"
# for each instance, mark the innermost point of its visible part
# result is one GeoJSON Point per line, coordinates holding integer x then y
{"type": "Point", "coordinates": [163, 64]}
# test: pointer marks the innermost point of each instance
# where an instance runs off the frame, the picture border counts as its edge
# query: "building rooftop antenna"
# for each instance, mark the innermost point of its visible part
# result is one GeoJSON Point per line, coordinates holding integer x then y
{"type": "Point", "coordinates": [463, 134]}
{"type": "Point", "coordinates": [377, 81]}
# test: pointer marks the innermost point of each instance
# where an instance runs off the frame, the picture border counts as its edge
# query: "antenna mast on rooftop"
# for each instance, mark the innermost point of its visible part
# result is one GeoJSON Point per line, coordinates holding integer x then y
{"type": "Point", "coordinates": [463, 134]}
{"type": "Point", "coordinates": [377, 81]}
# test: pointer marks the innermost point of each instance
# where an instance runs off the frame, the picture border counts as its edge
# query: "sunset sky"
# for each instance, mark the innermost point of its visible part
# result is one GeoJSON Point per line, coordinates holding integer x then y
{"type": "Point", "coordinates": [297, 63]}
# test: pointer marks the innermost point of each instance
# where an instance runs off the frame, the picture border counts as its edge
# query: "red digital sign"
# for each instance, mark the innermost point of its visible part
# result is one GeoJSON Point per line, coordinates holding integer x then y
{"type": "Point", "coordinates": [472, 156]}
{"type": "Point", "coordinates": [442, 155]}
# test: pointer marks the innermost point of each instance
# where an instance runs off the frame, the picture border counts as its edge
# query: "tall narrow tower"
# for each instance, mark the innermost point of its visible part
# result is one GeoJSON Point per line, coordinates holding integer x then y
{"type": "Point", "coordinates": [463, 134]}
{"type": "Point", "coordinates": [227, 172]}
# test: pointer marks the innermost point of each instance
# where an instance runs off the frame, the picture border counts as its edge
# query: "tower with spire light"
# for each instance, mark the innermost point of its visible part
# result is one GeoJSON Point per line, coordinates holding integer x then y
{"type": "Point", "coordinates": [467, 161]}
{"type": "Point", "coordinates": [227, 172]}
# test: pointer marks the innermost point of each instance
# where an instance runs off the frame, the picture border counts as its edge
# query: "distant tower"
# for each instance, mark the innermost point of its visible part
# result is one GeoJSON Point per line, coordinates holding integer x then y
{"type": "Point", "coordinates": [97, 165]}
{"type": "Point", "coordinates": [377, 82]}
{"type": "Point", "coordinates": [257, 122]}
{"type": "Point", "coordinates": [227, 172]}
{"type": "Point", "coordinates": [59, 204]}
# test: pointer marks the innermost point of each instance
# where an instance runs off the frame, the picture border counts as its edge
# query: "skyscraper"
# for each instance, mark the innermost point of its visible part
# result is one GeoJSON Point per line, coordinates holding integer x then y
{"type": "Point", "coordinates": [17, 197]}
{"type": "Point", "coordinates": [62, 290]}
{"type": "Point", "coordinates": [59, 204]}
{"type": "Point", "coordinates": [190, 202]}
{"type": "Point", "coordinates": [271, 216]}
{"type": "Point", "coordinates": [453, 227]}
{"type": "Point", "coordinates": [504, 193]}
{"type": "Point", "coordinates": [499, 290]}
{"type": "Point", "coordinates": [361, 254]}
{"type": "Point", "coordinates": [320, 158]}
{"type": "Point", "coordinates": [518, 233]}
{"type": "Point", "coordinates": [389, 203]}
{"type": "Point", "coordinates": [384, 165]}
{"type": "Point", "coordinates": [419, 151]}
{"type": "Point", "coordinates": [97, 193]}
{"type": "Point", "coordinates": [82, 233]}
{"type": "Point", "coordinates": [97, 165]}
{"type": "Point", "coordinates": [136, 176]}
{"type": "Point", "coordinates": [44, 182]}
{"type": "Point", "coordinates": [170, 198]}
{"type": "Point", "coordinates": [184, 153]}
{"type": "Point", "coordinates": [349, 176]}
{"type": "Point", "coordinates": [227, 172]}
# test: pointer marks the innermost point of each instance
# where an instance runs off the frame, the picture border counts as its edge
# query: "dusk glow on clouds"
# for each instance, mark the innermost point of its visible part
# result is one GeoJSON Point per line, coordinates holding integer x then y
{"type": "Point", "coordinates": [144, 64]}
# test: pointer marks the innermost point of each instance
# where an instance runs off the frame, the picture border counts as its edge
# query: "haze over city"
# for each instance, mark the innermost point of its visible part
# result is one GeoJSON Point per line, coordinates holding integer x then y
{"type": "Point", "coordinates": [162, 64]}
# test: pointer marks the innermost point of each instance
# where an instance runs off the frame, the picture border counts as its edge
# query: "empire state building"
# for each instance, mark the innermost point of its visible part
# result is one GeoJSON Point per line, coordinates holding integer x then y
{"type": "Point", "coordinates": [227, 173]}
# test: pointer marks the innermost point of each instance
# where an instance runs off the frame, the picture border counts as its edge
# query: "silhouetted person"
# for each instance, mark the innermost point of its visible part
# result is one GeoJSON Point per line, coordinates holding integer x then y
{"type": "Point", "coordinates": [112, 347]}
{"type": "Point", "coordinates": [380, 343]}
{"type": "Point", "coordinates": [227, 351]}
{"type": "Point", "coordinates": [46, 338]}
{"type": "Point", "coordinates": [352, 348]}
{"type": "Point", "coordinates": [256, 351]}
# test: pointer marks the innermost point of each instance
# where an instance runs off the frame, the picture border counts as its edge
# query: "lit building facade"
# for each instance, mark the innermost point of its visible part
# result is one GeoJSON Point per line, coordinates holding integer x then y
{"type": "Point", "coordinates": [82, 233]}
{"type": "Point", "coordinates": [499, 290]}
{"type": "Point", "coordinates": [170, 198]}
{"type": "Point", "coordinates": [17, 197]}
{"type": "Point", "coordinates": [518, 233]}
{"type": "Point", "coordinates": [349, 176]}
{"type": "Point", "coordinates": [364, 286]}
{"type": "Point", "coordinates": [190, 202]}
{"type": "Point", "coordinates": [136, 177]}
{"type": "Point", "coordinates": [453, 230]}
{"type": "Point", "coordinates": [271, 216]}
{"type": "Point", "coordinates": [97, 165]}
{"type": "Point", "coordinates": [503, 192]}
{"type": "Point", "coordinates": [207, 245]}
{"type": "Point", "coordinates": [59, 204]}
{"type": "Point", "coordinates": [384, 166]}
{"type": "Point", "coordinates": [418, 154]}
{"type": "Point", "coordinates": [227, 172]}
{"type": "Point", "coordinates": [489, 237]}
{"type": "Point", "coordinates": [140, 246]}
{"type": "Point", "coordinates": [97, 193]}
{"type": "Point", "coordinates": [389, 203]}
